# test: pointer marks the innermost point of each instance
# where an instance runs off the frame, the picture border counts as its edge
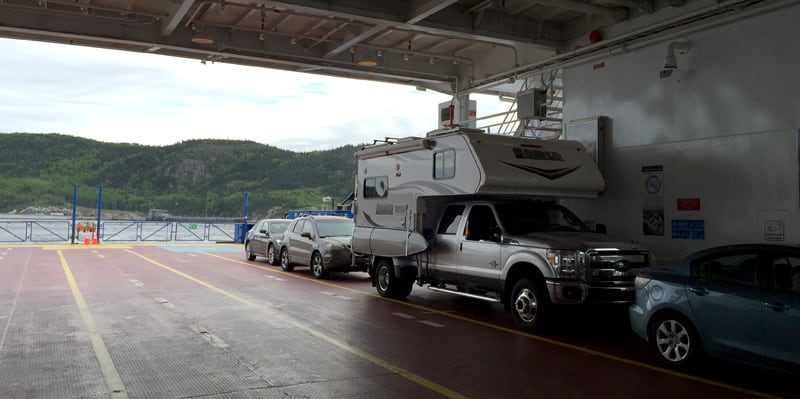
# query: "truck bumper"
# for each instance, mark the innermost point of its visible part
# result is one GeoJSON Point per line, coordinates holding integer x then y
{"type": "Point", "coordinates": [576, 292]}
{"type": "Point", "coordinates": [566, 292]}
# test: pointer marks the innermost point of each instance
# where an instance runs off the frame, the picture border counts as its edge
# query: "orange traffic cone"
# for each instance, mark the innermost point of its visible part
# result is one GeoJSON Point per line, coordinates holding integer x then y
{"type": "Point", "coordinates": [95, 241]}
{"type": "Point", "coordinates": [86, 241]}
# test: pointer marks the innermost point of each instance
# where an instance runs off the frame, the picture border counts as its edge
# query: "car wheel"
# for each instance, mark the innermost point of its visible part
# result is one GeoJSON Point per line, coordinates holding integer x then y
{"type": "Point", "coordinates": [674, 339]}
{"type": "Point", "coordinates": [529, 305]}
{"type": "Point", "coordinates": [317, 268]}
{"type": "Point", "coordinates": [285, 265]}
{"type": "Point", "coordinates": [272, 257]}
{"type": "Point", "coordinates": [248, 252]}
{"type": "Point", "coordinates": [388, 285]}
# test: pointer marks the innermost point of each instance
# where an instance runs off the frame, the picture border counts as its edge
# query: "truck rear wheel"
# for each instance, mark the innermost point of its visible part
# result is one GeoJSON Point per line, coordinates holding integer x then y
{"type": "Point", "coordinates": [389, 285]}
{"type": "Point", "coordinates": [529, 304]}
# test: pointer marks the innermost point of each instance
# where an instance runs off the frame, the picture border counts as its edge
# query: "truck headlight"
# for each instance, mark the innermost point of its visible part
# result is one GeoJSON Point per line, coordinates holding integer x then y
{"type": "Point", "coordinates": [566, 263]}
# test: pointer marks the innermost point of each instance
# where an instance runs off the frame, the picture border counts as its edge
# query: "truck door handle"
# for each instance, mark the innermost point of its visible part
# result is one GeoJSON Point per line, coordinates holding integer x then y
{"type": "Point", "coordinates": [776, 306]}
{"type": "Point", "coordinates": [701, 291]}
{"type": "Point", "coordinates": [460, 246]}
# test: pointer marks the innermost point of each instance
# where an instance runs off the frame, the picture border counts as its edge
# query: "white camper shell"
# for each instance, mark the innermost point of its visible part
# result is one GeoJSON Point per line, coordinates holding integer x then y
{"type": "Point", "coordinates": [396, 181]}
{"type": "Point", "coordinates": [420, 203]}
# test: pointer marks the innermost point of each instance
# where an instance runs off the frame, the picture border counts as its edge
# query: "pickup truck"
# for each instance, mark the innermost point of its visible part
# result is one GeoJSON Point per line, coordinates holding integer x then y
{"type": "Point", "coordinates": [529, 255]}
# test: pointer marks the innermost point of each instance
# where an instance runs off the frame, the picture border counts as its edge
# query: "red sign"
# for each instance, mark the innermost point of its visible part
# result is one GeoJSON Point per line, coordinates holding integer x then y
{"type": "Point", "coordinates": [688, 204]}
{"type": "Point", "coordinates": [599, 65]}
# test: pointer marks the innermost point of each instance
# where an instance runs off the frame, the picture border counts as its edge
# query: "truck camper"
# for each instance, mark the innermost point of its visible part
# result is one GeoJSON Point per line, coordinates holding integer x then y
{"type": "Point", "coordinates": [473, 214]}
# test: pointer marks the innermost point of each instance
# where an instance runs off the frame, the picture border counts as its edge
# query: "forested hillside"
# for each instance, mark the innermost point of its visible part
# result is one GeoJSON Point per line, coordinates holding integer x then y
{"type": "Point", "coordinates": [192, 178]}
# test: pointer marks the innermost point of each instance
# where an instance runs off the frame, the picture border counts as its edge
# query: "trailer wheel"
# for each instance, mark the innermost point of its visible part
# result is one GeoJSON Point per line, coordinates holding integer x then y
{"type": "Point", "coordinates": [272, 257]}
{"type": "Point", "coordinates": [529, 304]}
{"type": "Point", "coordinates": [285, 265]}
{"type": "Point", "coordinates": [248, 252]}
{"type": "Point", "coordinates": [388, 285]}
{"type": "Point", "coordinates": [317, 268]}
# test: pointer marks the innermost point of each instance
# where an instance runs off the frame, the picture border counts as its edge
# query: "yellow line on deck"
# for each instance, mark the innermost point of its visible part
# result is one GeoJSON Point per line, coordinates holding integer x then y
{"type": "Point", "coordinates": [110, 373]}
{"type": "Point", "coordinates": [440, 389]}
{"type": "Point", "coordinates": [448, 313]}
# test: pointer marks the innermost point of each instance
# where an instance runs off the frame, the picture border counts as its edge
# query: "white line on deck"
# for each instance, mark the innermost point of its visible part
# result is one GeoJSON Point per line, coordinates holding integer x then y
{"type": "Point", "coordinates": [430, 323]}
{"type": "Point", "coordinates": [403, 315]}
{"type": "Point", "coordinates": [335, 295]}
{"type": "Point", "coordinates": [137, 283]}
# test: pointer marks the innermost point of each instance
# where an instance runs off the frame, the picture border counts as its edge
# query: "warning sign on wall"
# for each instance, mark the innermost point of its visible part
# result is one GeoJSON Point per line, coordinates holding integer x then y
{"type": "Point", "coordinates": [653, 206]}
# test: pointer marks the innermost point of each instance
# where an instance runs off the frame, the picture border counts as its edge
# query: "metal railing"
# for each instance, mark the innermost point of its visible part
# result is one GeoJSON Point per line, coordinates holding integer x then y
{"type": "Point", "coordinates": [60, 231]}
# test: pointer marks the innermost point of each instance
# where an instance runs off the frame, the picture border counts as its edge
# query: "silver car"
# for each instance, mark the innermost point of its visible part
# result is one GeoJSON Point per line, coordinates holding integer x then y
{"type": "Point", "coordinates": [264, 239]}
{"type": "Point", "coordinates": [323, 243]}
{"type": "Point", "coordinates": [739, 302]}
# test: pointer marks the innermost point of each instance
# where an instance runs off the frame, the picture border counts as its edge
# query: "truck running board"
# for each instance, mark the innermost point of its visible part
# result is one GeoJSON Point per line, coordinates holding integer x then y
{"type": "Point", "coordinates": [466, 294]}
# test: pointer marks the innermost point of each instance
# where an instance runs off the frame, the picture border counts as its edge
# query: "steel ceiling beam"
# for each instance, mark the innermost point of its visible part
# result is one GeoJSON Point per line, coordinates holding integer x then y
{"type": "Point", "coordinates": [176, 14]}
{"type": "Point", "coordinates": [422, 9]}
{"type": "Point", "coordinates": [574, 5]}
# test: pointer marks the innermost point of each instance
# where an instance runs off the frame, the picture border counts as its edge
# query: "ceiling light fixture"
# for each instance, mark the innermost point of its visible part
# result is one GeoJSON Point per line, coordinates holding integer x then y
{"type": "Point", "coordinates": [365, 58]}
{"type": "Point", "coordinates": [200, 37]}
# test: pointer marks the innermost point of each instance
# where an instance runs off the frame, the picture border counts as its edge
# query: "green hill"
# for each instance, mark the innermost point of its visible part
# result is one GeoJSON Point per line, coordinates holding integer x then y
{"type": "Point", "coordinates": [192, 178]}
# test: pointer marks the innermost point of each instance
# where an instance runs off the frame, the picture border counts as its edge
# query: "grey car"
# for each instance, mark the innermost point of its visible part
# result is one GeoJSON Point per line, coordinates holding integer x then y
{"type": "Point", "coordinates": [264, 239]}
{"type": "Point", "coordinates": [323, 243]}
{"type": "Point", "coordinates": [739, 302]}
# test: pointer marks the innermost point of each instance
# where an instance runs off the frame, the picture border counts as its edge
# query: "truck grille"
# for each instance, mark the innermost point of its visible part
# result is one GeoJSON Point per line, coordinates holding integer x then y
{"type": "Point", "coordinates": [615, 268]}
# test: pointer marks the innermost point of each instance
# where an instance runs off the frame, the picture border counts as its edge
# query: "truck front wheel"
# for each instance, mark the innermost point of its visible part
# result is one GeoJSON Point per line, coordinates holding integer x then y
{"type": "Point", "coordinates": [389, 285]}
{"type": "Point", "coordinates": [529, 304]}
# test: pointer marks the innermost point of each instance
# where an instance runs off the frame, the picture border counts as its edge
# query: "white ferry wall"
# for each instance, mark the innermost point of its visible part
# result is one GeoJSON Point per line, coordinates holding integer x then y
{"type": "Point", "coordinates": [724, 128]}
{"type": "Point", "coordinates": [485, 165]}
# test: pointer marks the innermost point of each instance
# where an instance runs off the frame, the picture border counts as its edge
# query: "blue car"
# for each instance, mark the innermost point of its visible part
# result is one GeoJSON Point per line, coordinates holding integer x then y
{"type": "Point", "coordinates": [738, 302]}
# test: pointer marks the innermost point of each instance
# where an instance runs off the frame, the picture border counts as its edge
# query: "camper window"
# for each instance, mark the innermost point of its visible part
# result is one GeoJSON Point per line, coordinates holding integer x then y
{"type": "Point", "coordinates": [451, 219]}
{"type": "Point", "coordinates": [376, 187]}
{"type": "Point", "coordinates": [444, 164]}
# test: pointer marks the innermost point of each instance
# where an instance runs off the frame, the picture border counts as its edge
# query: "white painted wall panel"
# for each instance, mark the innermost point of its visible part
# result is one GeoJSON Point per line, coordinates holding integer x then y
{"type": "Point", "coordinates": [724, 127]}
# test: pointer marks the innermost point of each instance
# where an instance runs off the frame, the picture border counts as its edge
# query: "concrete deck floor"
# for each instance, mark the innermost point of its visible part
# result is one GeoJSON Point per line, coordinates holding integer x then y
{"type": "Point", "coordinates": [189, 321]}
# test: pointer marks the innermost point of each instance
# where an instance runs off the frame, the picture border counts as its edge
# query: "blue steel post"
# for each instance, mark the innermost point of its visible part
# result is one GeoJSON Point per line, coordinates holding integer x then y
{"type": "Point", "coordinates": [246, 199]}
{"type": "Point", "coordinates": [74, 209]}
{"type": "Point", "coordinates": [244, 227]}
{"type": "Point", "coordinates": [99, 208]}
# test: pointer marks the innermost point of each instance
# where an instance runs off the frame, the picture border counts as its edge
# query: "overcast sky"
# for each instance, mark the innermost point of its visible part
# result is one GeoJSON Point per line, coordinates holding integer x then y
{"type": "Point", "coordinates": [118, 96]}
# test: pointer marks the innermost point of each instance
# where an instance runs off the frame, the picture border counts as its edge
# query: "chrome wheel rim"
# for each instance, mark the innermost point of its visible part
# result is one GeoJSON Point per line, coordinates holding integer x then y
{"type": "Point", "coordinates": [673, 341]}
{"type": "Point", "coordinates": [525, 305]}
{"type": "Point", "coordinates": [271, 254]}
{"type": "Point", "coordinates": [284, 259]}
{"type": "Point", "coordinates": [248, 251]}
{"type": "Point", "coordinates": [317, 265]}
{"type": "Point", "coordinates": [383, 278]}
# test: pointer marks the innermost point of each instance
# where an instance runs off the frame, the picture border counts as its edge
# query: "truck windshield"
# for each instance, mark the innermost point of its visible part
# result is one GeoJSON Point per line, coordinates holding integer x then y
{"type": "Point", "coordinates": [335, 228]}
{"type": "Point", "coordinates": [529, 217]}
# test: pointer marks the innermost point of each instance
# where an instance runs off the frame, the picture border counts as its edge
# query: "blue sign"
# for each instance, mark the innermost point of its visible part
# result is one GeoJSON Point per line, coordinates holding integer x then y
{"type": "Point", "coordinates": [688, 229]}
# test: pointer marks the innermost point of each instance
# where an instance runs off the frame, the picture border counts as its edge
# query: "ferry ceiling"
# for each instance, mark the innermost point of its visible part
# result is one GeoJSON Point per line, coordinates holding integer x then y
{"type": "Point", "coordinates": [451, 46]}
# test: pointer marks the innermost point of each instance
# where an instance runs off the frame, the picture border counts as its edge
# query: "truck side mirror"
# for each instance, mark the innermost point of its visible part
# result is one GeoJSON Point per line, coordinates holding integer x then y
{"type": "Point", "coordinates": [600, 228]}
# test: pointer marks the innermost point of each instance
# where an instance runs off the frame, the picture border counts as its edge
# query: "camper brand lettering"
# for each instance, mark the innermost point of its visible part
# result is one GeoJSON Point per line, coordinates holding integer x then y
{"type": "Point", "coordinates": [384, 209]}
{"type": "Point", "coordinates": [526, 153]}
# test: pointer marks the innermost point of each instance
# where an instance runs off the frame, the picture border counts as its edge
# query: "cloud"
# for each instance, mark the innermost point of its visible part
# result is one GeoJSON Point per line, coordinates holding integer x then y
{"type": "Point", "coordinates": [117, 96]}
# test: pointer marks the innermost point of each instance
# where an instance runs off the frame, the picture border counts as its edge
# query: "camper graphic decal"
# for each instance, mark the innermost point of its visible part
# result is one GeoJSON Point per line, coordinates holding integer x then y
{"type": "Point", "coordinates": [537, 154]}
{"type": "Point", "coordinates": [551, 174]}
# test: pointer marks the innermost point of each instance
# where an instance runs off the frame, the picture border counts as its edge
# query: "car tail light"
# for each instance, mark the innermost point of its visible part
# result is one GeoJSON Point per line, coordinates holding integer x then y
{"type": "Point", "coordinates": [641, 281]}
